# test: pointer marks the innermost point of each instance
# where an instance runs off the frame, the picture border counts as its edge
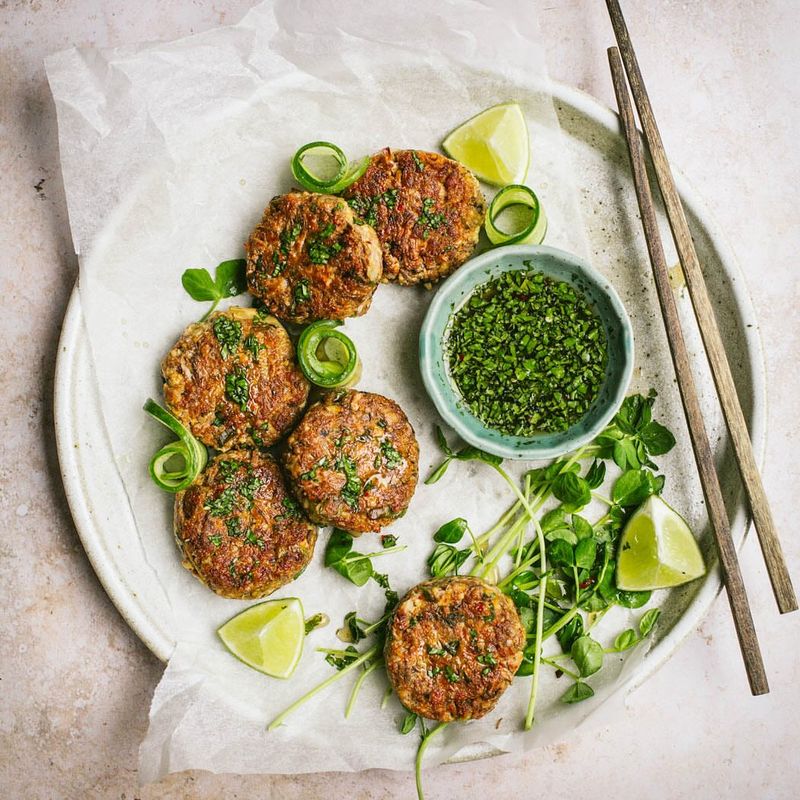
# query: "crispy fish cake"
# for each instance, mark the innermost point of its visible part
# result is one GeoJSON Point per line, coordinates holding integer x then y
{"type": "Point", "coordinates": [426, 209]}
{"type": "Point", "coordinates": [240, 531]}
{"type": "Point", "coordinates": [308, 259]}
{"type": "Point", "coordinates": [353, 460]}
{"type": "Point", "coordinates": [453, 647]}
{"type": "Point", "coordinates": [234, 381]}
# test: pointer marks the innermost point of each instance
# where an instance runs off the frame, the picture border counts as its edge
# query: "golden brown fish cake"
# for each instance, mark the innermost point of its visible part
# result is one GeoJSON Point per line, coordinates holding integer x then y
{"type": "Point", "coordinates": [234, 381]}
{"type": "Point", "coordinates": [453, 647]}
{"type": "Point", "coordinates": [353, 461]}
{"type": "Point", "coordinates": [308, 259]}
{"type": "Point", "coordinates": [426, 209]}
{"type": "Point", "coordinates": [240, 531]}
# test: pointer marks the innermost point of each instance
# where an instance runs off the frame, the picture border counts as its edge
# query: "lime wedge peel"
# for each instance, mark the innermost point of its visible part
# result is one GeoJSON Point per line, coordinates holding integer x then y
{"type": "Point", "coordinates": [494, 144]}
{"type": "Point", "coordinates": [657, 549]}
{"type": "Point", "coordinates": [267, 636]}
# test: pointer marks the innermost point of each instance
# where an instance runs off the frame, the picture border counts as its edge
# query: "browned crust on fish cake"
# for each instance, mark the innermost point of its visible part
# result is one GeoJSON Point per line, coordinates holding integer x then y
{"type": "Point", "coordinates": [426, 209]}
{"type": "Point", "coordinates": [370, 436]}
{"type": "Point", "coordinates": [240, 531]}
{"type": "Point", "coordinates": [453, 647]}
{"type": "Point", "coordinates": [307, 259]}
{"type": "Point", "coordinates": [195, 373]}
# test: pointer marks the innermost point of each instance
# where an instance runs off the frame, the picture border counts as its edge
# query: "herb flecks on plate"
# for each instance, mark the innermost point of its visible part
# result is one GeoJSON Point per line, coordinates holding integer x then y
{"type": "Point", "coordinates": [527, 353]}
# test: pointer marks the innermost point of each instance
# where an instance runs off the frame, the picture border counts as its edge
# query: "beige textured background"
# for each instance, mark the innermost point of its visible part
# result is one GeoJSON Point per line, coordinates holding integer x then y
{"type": "Point", "coordinates": [75, 683]}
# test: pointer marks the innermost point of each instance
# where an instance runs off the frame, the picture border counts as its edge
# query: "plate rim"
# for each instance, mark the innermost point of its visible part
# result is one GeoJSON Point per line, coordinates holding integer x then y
{"type": "Point", "coordinates": [146, 629]}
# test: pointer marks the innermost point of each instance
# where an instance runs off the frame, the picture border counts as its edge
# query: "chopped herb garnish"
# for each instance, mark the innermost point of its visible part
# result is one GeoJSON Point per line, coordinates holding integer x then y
{"type": "Point", "coordinates": [251, 538]}
{"type": "Point", "coordinates": [366, 208]}
{"type": "Point", "coordinates": [223, 504]}
{"type": "Point", "coordinates": [391, 456]}
{"type": "Point", "coordinates": [228, 469]}
{"type": "Point", "coordinates": [253, 346]}
{"type": "Point", "coordinates": [428, 218]}
{"type": "Point", "coordinates": [215, 539]}
{"type": "Point", "coordinates": [351, 491]}
{"type": "Point", "coordinates": [417, 161]}
{"type": "Point", "coordinates": [488, 659]}
{"type": "Point", "coordinates": [311, 475]}
{"type": "Point", "coordinates": [388, 540]}
{"type": "Point", "coordinates": [234, 526]}
{"type": "Point", "coordinates": [320, 250]}
{"type": "Point", "coordinates": [237, 389]}
{"type": "Point", "coordinates": [527, 353]}
{"type": "Point", "coordinates": [229, 333]}
{"type": "Point", "coordinates": [301, 292]}
{"type": "Point", "coordinates": [435, 651]}
{"type": "Point", "coordinates": [249, 487]}
{"type": "Point", "coordinates": [451, 675]}
{"type": "Point", "coordinates": [278, 264]}
{"type": "Point", "coordinates": [291, 508]}
{"type": "Point", "coordinates": [288, 235]}
{"type": "Point", "coordinates": [452, 647]}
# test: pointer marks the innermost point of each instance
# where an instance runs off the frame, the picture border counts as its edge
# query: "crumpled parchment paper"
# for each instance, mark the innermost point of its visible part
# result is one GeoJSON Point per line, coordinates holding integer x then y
{"type": "Point", "coordinates": [169, 153]}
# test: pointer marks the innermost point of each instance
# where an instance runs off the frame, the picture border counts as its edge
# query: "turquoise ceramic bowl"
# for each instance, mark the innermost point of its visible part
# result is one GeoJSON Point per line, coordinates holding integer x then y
{"type": "Point", "coordinates": [561, 266]}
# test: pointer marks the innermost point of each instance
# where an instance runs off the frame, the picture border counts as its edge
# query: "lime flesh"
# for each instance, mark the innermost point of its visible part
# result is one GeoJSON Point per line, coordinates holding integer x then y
{"type": "Point", "coordinates": [494, 145]}
{"type": "Point", "coordinates": [657, 549]}
{"type": "Point", "coordinates": [267, 636]}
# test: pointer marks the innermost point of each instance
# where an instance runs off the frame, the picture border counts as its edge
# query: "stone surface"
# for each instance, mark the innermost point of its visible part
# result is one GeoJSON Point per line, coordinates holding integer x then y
{"type": "Point", "coordinates": [76, 683]}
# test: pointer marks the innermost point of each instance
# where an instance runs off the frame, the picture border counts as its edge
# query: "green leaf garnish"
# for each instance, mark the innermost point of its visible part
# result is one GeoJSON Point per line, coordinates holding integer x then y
{"type": "Point", "coordinates": [229, 280]}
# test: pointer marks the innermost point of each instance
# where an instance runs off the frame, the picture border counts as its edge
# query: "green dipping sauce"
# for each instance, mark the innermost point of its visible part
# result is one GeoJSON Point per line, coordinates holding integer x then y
{"type": "Point", "coordinates": [527, 353]}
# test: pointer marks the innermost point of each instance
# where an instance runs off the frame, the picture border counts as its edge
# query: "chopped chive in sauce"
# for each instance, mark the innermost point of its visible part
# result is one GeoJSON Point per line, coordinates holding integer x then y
{"type": "Point", "coordinates": [527, 353]}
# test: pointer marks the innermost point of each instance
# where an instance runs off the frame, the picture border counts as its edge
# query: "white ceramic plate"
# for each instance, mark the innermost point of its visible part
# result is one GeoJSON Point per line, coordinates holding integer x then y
{"type": "Point", "coordinates": [95, 492]}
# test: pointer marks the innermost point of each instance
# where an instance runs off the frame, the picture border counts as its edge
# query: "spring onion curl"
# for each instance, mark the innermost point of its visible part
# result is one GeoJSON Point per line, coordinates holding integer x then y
{"type": "Point", "coordinates": [327, 357]}
{"type": "Point", "coordinates": [344, 175]}
{"type": "Point", "coordinates": [193, 454]}
{"type": "Point", "coordinates": [535, 228]}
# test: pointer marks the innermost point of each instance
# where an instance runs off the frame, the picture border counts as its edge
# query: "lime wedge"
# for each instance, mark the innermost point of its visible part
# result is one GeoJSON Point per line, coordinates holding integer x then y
{"type": "Point", "coordinates": [657, 549]}
{"type": "Point", "coordinates": [267, 636]}
{"type": "Point", "coordinates": [494, 145]}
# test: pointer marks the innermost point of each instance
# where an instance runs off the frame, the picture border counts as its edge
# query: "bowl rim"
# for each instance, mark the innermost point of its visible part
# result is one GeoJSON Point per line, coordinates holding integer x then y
{"type": "Point", "coordinates": [430, 345]}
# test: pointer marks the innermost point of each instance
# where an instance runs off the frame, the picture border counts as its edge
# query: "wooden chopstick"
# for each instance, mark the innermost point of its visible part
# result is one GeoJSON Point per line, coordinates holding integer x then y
{"type": "Point", "coordinates": [715, 350]}
{"type": "Point", "coordinates": [691, 404]}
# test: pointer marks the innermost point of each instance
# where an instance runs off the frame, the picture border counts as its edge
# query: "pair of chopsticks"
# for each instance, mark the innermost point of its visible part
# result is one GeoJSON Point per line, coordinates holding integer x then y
{"type": "Point", "coordinates": [715, 351]}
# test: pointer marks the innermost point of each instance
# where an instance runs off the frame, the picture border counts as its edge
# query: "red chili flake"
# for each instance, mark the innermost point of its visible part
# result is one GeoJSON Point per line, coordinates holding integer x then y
{"type": "Point", "coordinates": [587, 583]}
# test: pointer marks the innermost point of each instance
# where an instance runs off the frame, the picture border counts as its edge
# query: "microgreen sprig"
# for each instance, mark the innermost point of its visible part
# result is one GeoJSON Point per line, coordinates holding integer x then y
{"type": "Point", "coordinates": [229, 280]}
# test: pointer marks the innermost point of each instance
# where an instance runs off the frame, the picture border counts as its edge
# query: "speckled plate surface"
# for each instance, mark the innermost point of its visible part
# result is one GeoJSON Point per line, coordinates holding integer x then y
{"type": "Point", "coordinates": [592, 141]}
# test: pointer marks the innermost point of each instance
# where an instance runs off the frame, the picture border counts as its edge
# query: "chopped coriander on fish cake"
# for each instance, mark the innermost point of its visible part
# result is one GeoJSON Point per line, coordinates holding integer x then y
{"type": "Point", "coordinates": [527, 353]}
{"type": "Point", "coordinates": [240, 531]}
{"type": "Point", "coordinates": [426, 209]}
{"type": "Point", "coordinates": [234, 381]}
{"type": "Point", "coordinates": [453, 646]}
{"type": "Point", "coordinates": [308, 259]}
{"type": "Point", "coordinates": [352, 461]}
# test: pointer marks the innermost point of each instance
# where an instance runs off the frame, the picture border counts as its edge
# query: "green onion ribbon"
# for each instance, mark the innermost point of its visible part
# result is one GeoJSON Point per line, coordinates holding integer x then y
{"type": "Point", "coordinates": [516, 195]}
{"type": "Point", "coordinates": [187, 448]}
{"type": "Point", "coordinates": [327, 357]}
{"type": "Point", "coordinates": [345, 174]}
